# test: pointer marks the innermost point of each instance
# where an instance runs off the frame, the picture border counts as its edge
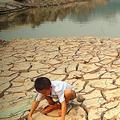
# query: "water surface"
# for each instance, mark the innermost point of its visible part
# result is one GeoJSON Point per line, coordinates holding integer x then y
{"type": "Point", "coordinates": [91, 18]}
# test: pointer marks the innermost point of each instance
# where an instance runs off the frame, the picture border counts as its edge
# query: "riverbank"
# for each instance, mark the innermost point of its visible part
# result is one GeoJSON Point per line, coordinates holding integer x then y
{"type": "Point", "coordinates": [90, 64]}
{"type": "Point", "coordinates": [15, 6]}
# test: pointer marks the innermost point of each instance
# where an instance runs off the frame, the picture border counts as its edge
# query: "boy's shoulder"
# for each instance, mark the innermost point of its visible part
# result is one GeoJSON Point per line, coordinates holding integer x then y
{"type": "Point", "coordinates": [57, 82]}
{"type": "Point", "coordinates": [59, 85]}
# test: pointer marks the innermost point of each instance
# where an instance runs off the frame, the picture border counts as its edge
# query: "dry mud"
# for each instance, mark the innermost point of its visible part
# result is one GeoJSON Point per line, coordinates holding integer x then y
{"type": "Point", "coordinates": [91, 65]}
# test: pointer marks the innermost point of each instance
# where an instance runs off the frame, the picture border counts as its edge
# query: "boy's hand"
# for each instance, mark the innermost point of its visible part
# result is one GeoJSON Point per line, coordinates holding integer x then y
{"type": "Point", "coordinates": [29, 117]}
{"type": "Point", "coordinates": [63, 110]}
{"type": "Point", "coordinates": [50, 108]}
{"type": "Point", "coordinates": [34, 106]}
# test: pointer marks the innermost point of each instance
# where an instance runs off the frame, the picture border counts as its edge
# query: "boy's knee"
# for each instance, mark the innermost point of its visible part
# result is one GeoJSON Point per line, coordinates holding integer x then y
{"type": "Point", "coordinates": [73, 94]}
{"type": "Point", "coordinates": [69, 94]}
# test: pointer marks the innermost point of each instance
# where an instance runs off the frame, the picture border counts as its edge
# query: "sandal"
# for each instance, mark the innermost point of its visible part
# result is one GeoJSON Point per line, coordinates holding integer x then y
{"type": "Point", "coordinates": [80, 98]}
{"type": "Point", "coordinates": [69, 107]}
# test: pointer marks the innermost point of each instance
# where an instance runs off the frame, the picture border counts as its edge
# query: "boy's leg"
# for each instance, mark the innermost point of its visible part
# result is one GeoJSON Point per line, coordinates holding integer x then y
{"type": "Point", "coordinates": [52, 105]}
{"type": "Point", "coordinates": [50, 108]}
{"type": "Point", "coordinates": [69, 95]}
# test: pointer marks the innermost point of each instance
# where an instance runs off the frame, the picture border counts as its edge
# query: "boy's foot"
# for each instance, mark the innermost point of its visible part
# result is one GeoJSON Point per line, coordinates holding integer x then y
{"type": "Point", "coordinates": [69, 107]}
{"type": "Point", "coordinates": [80, 98]}
{"type": "Point", "coordinates": [50, 108]}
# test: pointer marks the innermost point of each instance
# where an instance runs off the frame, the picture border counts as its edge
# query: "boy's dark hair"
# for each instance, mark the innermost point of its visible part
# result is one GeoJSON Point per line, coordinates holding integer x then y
{"type": "Point", "coordinates": [42, 83]}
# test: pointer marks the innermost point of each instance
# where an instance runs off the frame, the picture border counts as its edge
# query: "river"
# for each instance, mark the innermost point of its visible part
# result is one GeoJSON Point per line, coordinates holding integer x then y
{"type": "Point", "coordinates": [100, 18]}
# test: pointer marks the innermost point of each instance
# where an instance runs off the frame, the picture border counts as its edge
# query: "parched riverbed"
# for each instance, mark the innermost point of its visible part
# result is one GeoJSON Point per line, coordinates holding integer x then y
{"type": "Point", "coordinates": [91, 65]}
{"type": "Point", "coordinates": [88, 18]}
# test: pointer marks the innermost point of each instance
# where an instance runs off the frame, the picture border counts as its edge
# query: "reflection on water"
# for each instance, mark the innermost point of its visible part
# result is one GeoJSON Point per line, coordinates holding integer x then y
{"type": "Point", "coordinates": [39, 22]}
{"type": "Point", "coordinates": [40, 15]}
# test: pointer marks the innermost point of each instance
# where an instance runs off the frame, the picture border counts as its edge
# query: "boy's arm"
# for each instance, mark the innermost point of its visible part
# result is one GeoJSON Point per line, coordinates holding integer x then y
{"type": "Point", "coordinates": [34, 106]}
{"type": "Point", "coordinates": [63, 110]}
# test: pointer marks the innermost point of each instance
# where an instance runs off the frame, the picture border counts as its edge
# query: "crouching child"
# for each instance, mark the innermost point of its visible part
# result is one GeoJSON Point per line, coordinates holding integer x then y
{"type": "Point", "coordinates": [57, 93]}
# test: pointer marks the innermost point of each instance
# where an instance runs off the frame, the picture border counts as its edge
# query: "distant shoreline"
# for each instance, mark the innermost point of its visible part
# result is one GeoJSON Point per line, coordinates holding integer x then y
{"type": "Point", "coordinates": [8, 7]}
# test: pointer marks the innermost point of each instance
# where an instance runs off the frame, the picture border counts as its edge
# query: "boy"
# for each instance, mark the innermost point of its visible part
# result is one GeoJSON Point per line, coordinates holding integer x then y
{"type": "Point", "coordinates": [57, 93]}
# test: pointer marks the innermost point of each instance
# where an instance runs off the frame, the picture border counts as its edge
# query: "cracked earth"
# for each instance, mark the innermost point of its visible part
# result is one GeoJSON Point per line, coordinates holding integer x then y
{"type": "Point", "coordinates": [91, 65]}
